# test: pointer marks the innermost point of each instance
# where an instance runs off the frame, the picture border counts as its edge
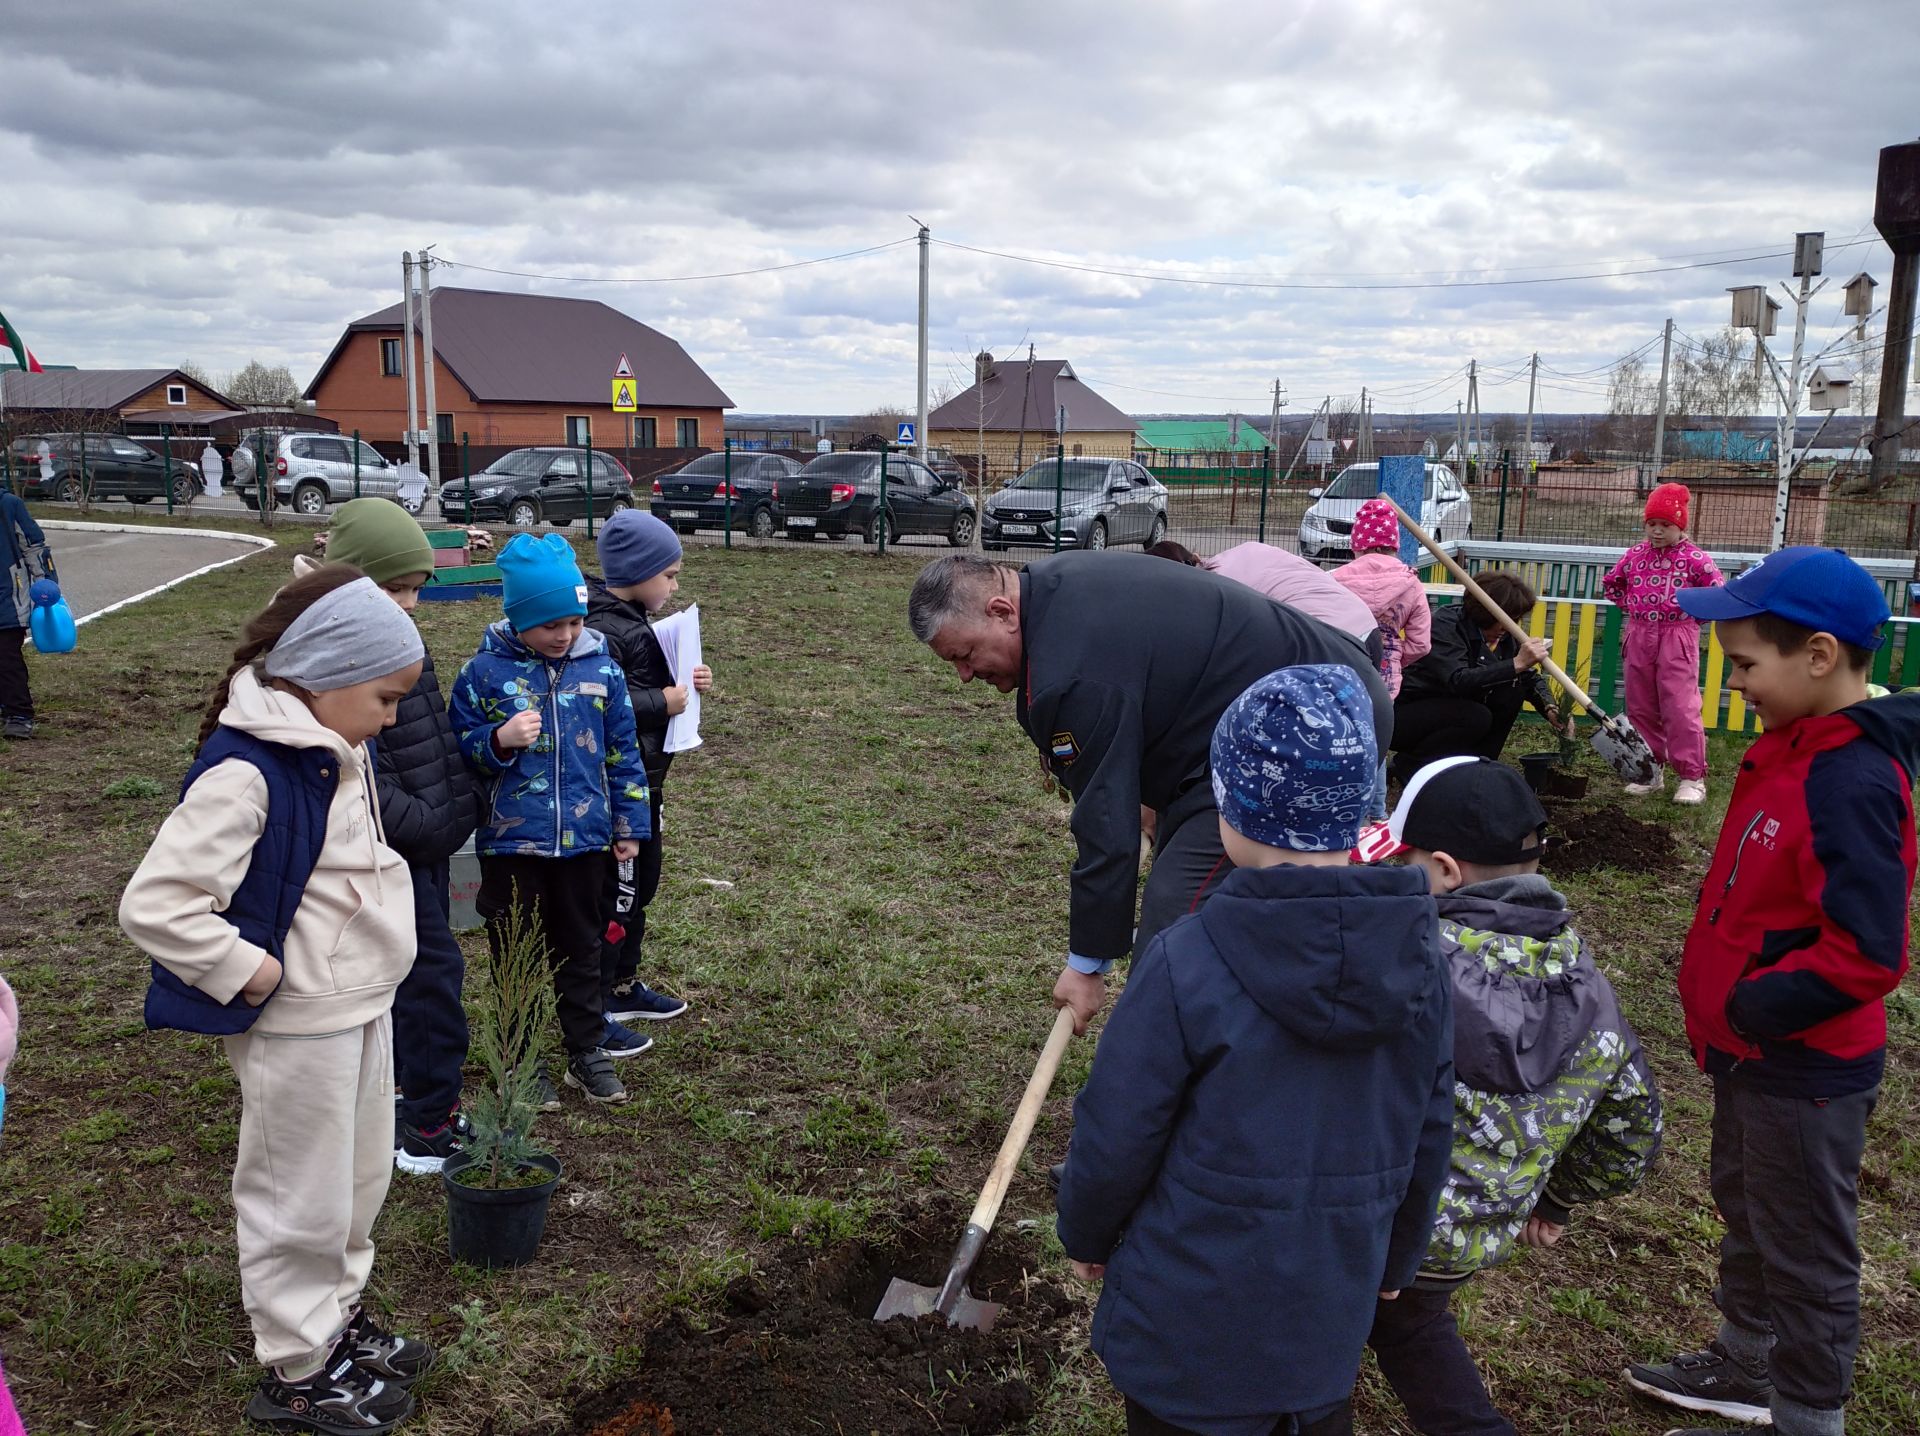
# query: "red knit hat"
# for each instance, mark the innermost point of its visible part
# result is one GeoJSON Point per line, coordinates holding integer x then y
{"type": "Point", "coordinates": [1376, 526]}
{"type": "Point", "coordinates": [1668, 504]}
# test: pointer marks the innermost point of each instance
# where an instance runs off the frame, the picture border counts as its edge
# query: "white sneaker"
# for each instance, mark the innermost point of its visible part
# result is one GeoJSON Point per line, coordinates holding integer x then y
{"type": "Point", "coordinates": [1644, 790]}
{"type": "Point", "coordinates": [1691, 792]}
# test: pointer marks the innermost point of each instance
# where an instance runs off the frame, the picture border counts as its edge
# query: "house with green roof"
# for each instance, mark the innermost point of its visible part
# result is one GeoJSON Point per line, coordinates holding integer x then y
{"type": "Point", "coordinates": [1184, 446]}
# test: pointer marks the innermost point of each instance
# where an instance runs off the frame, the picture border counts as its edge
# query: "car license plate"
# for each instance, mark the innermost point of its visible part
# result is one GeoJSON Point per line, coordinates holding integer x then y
{"type": "Point", "coordinates": [803, 523]}
{"type": "Point", "coordinates": [1019, 528]}
{"type": "Point", "coordinates": [683, 513]}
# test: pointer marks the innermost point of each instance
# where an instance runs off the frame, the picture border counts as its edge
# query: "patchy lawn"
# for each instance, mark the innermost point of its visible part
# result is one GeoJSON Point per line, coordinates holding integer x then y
{"type": "Point", "coordinates": [868, 997]}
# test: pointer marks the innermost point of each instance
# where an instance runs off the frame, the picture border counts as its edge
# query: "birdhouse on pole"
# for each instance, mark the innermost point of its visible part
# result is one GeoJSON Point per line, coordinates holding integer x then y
{"type": "Point", "coordinates": [1749, 306]}
{"type": "Point", "coordinates": [1808, 249]}
{"type": "Point", "coordinates": [1830, 388]}
{"type": "Point", "coordinates": [1859, 307]}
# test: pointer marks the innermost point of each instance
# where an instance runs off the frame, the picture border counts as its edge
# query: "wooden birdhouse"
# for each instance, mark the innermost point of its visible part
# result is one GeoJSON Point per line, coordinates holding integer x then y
{"type": "Point", "coordinates": [1830, 388]}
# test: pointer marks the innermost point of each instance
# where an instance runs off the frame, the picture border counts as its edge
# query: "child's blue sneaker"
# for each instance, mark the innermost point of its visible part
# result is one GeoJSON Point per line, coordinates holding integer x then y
{"type": "Point", "coordinates": [636, 1002]}
{"type": "Point", "coordinates": [623, 1041]}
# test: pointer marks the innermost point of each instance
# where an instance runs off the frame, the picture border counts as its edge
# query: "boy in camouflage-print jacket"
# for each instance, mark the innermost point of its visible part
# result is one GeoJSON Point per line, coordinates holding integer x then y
{"type": "Point", "coordinates": [1554, 1105]}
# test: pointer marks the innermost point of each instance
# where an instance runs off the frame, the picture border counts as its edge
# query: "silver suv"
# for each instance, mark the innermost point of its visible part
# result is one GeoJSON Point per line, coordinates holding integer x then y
{"type": "Point", "coordinates": [312, 471]}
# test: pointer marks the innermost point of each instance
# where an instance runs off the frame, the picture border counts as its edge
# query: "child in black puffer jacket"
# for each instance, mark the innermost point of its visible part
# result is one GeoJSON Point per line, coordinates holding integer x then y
{"type": "Point", "coordinates": [640, 559]}
{"type": "Point", "coordinates": [429, 806]}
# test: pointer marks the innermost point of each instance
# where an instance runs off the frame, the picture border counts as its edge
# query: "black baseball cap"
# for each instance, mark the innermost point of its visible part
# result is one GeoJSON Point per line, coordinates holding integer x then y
{"type": "Point", "coordinates": [1475, 809]}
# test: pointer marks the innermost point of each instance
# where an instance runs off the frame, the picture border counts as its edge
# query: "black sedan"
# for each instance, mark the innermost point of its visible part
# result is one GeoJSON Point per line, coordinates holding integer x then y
{"type": "Point", "coordinates": [839, 494]}
{"type": "Point", "coordinates": [100, 466]}
{"type": "Point", "coordinates": [530, 486]}
{"type": "Point", "coordinates": [696, 497]}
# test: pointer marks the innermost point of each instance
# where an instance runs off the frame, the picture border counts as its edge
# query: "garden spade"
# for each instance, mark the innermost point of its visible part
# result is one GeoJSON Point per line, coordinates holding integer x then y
{"type": "Point", "coordinates": [952, 1299]}
{"type": "Point", "coordinates": [1615, 740]}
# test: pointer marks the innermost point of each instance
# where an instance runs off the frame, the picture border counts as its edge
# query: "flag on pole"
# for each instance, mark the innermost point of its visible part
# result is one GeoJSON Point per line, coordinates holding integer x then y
{"type": "Point", "coordinates": [22, 355]}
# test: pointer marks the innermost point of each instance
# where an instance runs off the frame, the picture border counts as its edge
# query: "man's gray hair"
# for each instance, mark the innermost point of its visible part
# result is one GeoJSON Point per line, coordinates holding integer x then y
{"type": "Point", "coordinates": [956, 586]}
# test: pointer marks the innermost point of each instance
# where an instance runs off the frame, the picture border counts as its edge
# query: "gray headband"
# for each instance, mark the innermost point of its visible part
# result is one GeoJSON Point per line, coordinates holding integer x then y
{"type": "Point", "coordinates": [354, 635]}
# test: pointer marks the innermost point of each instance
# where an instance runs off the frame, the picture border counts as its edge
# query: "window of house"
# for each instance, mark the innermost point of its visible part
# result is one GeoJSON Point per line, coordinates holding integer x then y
{"type": "Point", "coordinates": [687, 433]}
{"type": "Point", "coordinates": [646, 433]}
{"type": "Point", "coordinates": [390, 357]}
{"type": "Point", "coordinates": [176, 393]}
{"type": "Point", "coordinates": [578, 427]}
{"type": "Point", "coordinates": [443, 424]}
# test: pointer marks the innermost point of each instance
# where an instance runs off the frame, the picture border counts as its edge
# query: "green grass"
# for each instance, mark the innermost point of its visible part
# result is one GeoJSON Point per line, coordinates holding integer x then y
{"type": "Point", "coordinates": [868, 998]}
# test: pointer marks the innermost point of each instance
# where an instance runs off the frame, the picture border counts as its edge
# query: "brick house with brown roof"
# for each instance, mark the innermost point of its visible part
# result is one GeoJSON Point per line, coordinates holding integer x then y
{"type": "Point", "coordinates": [1012, 408]}
{"type": "Point", "coordinates": [518, 369]}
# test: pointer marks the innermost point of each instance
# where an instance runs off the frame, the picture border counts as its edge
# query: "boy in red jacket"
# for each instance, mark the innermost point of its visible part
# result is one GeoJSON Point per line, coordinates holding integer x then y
{"type": "Point", "coordinates": [1800, 933]}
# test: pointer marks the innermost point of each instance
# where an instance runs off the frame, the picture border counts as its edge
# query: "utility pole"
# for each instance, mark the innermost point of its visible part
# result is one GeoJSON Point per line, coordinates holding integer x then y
{"type": "Point", "coordinates": [1473, 415]}
{"type": "Point", "coordinates": [920, 429]}
{"type": "Point", "coordinates": [432, 416]}
{"type": "Point", "coordinates": [1273, 432]}
{"type": "Point", "coordinates": [406, 353]}
{"type": "Point", "coordinates": [1896, 214]}
{"type": "Point", "coordinates": [1660, 414]}
{"type": "Point", "coordinates": [1533, 383]}
{"type": "Point", "coordinates": [1026, 393]}
{"type": "Point", "coordinates": [1460, 435]}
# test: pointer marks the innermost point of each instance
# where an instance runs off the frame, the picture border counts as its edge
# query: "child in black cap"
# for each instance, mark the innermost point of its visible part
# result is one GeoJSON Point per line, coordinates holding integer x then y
{"type": "Point", "coordinates": [1553, 1102]}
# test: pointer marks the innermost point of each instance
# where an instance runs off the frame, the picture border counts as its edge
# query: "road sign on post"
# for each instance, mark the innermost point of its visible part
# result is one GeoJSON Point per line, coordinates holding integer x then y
{"type": "Point", "coordinates": [625, 400]}
{"type": "Point", "coordinates": [623, 370]}
{"type": "Point", "coordinates": [903, 434]}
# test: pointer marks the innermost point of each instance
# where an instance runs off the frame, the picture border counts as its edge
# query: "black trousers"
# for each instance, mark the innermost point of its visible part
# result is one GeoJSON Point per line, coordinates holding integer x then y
{"type": "Point", "coordinates": [1786, 1177]}
{"type": "Point", "coordinates": [1428, 728]}
{"type": "Point", "coordinates": [429, 1024]}
{"type": "Point", "coordinates": [16, 698]}
{"type": "Point", "coordinates": [564, 898]}
{"type": "Point", "coordinates": [1335, 1422]}
{"type": "Point", "coordinates": [1426, 1362]}
{"type": "Point", "coordinates": [1188, 865]}
{"type": "Point", "coordinates": [630, 887]}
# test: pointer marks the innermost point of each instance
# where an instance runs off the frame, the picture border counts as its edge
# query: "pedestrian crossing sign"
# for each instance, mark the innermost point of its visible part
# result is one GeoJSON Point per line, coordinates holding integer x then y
{"type": "Point", "coordinates": [904, 434]}
{"type": "Point", "coordinates": [625, 401]}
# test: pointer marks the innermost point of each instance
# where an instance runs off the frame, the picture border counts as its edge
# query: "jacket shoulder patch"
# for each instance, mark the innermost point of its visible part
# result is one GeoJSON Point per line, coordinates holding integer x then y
{"type": "Point", "coordinates": [1063, 749]}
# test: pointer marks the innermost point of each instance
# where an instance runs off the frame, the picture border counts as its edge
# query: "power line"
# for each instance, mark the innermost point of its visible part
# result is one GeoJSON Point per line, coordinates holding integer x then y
{"type": "Point", "coordinates": [680, 278]}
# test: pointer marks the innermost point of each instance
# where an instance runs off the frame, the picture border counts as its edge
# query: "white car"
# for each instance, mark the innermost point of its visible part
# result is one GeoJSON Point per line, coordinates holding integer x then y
{"type": "Point", "coordinates": [1326, 529]}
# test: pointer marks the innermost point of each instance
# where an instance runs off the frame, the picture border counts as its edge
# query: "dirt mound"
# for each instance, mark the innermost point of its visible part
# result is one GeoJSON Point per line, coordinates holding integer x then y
{"type": "Point", "coordinates": [1581, 839]}
{"type": "Point", "coordinates": [794, 1348]}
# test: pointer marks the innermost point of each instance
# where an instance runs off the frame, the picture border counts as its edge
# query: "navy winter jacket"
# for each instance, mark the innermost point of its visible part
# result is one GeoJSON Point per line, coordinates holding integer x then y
{"type": "Point", "coordinates": [24, 556]}
{"type": "Point", "coordinates": [430, 800]}
{"type": "Point", "coordinates": [1261, 1144]}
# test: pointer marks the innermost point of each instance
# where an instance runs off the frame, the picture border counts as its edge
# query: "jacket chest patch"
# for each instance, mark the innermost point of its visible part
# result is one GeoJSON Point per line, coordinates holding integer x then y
{"type": "Point", "coordinates": [593, 690]}
{"type": "Point", "coordinates": [1063, 749]}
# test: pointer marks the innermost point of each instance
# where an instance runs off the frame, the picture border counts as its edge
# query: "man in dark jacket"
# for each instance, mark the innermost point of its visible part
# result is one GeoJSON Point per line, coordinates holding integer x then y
{"type": "Point", "coordinates": [430, 804]}
{"type": "Point", "coordinates": [1259, 1147]}
{"type": "Point", "coordinates": [1122, 665]}
{"type": "Point", "coordinates": [1461, 699]}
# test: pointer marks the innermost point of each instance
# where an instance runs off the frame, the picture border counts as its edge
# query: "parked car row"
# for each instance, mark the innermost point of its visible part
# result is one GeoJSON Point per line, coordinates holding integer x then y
{"type": "Point", "coordinates": [112, 466]}
{"type": "Point", "coordinates": [539, 485]}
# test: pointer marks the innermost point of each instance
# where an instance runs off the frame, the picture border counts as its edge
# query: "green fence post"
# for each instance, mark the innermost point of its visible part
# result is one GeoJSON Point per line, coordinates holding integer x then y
{"type": "Point", "coordinates": [1266, 474]}
{"type": "Point", "coordinates": [81, 497]}
{"type": "Point", "coordinates": [466, 473]}
{"type": "Point", "coordinates": [260, 470]}
{"type": "Point", "coordinates": [586, 460]}
{"type": "Point", "coordinates": [356, 463]}
{"type": "Point", "coordinates": [880, 519]}
{"type": "Point", "coordinates": [166, 463]}
{"type": "Point", "coordinates": [727, 488]}
{"type": "Point", "coordinates": [1059, 489]}
{"type": "Point", "coordinates": [1506, 476]}
{"type": "Point", "coordinates": [6, 463]}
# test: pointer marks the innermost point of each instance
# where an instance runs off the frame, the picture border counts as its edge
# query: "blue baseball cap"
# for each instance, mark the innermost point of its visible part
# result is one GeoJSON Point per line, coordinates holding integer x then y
{"type": "Point", "coordinates": [1817, 588]}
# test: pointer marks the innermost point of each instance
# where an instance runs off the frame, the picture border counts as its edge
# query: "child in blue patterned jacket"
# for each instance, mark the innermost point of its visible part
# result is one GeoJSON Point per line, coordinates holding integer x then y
{"type": "Point", "coordinates": [542, 712]}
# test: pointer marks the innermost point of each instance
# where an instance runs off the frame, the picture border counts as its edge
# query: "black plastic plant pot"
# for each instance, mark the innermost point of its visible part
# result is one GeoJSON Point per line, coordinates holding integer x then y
{"type": "Point", "coordinates": [1545, 775]}
{"type": "Point", "coordinates": [502, 1227]}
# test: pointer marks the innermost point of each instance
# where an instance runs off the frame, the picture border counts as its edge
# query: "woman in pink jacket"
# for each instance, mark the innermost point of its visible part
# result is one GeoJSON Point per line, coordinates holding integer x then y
{"type": "Point", "coordinates": [1663, 644]}
{"type": "Point", "coordinates": [1393, 594]}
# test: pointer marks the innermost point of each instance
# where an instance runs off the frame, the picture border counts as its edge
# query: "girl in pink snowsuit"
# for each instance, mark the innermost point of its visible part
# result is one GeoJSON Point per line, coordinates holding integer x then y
{"type": "Point", "coordinates": [1393, 594]}
{"type": "Point", "coordinates": [1663, 643]}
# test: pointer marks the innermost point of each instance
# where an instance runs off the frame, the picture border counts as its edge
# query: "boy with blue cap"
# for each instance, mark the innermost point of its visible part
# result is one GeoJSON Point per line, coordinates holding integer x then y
{"type": "Point", "coordinates": [1257, 1153]}
{"type": "Point", "coordinates": [542, 714]}
{"type": "Point", "coordinates": [1800, 934]}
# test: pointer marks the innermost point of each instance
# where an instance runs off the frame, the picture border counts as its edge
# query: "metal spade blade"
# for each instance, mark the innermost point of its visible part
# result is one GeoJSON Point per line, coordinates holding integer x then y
{"type": "Point", "coordinates": [1625, 751]}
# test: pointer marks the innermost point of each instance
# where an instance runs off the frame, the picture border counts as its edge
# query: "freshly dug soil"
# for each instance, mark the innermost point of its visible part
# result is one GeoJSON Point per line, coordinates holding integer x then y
{"type": "Point", "coordinates": [794, 1349]}
{"type": "Point", "coordinates": [1580, 839]}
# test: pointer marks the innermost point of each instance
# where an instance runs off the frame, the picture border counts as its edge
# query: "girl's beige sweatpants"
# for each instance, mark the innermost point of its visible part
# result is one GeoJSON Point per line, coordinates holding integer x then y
{"type": "Point", "coordinates": [315, 1158]}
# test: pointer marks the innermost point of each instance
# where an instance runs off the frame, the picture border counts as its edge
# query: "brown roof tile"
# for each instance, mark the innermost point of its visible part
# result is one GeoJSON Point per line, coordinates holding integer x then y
{"type": "Point", "coordinates": [1053, 384]}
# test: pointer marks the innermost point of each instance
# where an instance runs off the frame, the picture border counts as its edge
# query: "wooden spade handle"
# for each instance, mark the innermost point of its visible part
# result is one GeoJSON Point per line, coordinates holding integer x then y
{"type": "Point", "coordinates": [1554, 670]}
{"type": "Point", "coordinates": [1038, 1085]}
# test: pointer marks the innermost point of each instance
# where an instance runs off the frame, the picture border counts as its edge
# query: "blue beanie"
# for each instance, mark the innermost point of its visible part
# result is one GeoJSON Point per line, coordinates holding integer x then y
{"type": "Point", "coordinates": [1294, 759]}
{"type": "Point", "coordinates": [635, 546]}
{"type": "Point", "coordinates": [541, 581]}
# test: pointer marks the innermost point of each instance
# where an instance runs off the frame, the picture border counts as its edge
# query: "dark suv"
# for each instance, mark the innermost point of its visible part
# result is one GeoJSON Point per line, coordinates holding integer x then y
{"type": "Point", "coordinates": [839, 494]}
{"type": "Point", "coordinates": [696, 497]}
{"type": "Point", "coordinates": [115, 467]}
{"type": "Point", "coordinates": [530, 486]}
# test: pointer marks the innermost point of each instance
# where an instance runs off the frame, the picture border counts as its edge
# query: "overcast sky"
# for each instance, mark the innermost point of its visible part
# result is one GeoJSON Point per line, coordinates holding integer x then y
{"type": "Point", "coordinates": [221, 181]}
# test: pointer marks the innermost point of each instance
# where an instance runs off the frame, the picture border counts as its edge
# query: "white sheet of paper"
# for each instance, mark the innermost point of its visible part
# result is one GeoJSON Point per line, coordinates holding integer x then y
{"type": "Point", "coordinates": [679, 636]}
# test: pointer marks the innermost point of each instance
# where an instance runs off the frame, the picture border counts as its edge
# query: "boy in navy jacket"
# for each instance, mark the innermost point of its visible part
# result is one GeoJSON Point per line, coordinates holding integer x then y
{"type": "Point", "coordinates": [1800, 934]}
{"type": "Point", "coordinates": [1258, 1151]}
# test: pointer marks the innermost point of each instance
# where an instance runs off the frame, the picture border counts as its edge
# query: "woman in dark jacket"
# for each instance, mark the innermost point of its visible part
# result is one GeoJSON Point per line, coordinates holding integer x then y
{"type": "Point", "coordinates": [1463, 696]}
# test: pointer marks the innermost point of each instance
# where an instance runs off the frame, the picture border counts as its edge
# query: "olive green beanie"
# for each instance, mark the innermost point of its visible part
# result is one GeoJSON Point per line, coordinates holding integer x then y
{"type": "Point", "coordinates": [379, 538]}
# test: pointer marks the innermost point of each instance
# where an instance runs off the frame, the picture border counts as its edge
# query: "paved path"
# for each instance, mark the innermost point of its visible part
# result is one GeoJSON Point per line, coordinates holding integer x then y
{"type": "Point", "coordinates": [98, 569]}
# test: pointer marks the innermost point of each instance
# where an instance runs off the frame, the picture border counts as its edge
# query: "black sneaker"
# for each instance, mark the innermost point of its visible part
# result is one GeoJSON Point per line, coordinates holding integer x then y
{"type": "Point", "coordinates": [21, 728]}
{"type": "Point", "coordinates": [340, 1399]}
{"type": "Point", "coordinates": [423, 1151]}
{"type": "Point", "coordinates": [396, 1360]}
{"type": "Point", "coordinates": [636, 1002]}
{"type": "Point", "coordinates": [1711, 1381]}
{"type": "Point", "coordinates": [618, 1041]}
{"type": "Point", "coordinates": [1055, 1173]}
{"type": "Point", "coordinates": [549, 1094]}
{"type": "Point", "coordinates": [592, 1073]}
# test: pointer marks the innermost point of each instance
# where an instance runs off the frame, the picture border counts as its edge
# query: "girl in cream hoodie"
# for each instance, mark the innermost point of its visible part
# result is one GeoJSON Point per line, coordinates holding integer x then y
{"type": "Point", "coordinates": [277, 916]}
